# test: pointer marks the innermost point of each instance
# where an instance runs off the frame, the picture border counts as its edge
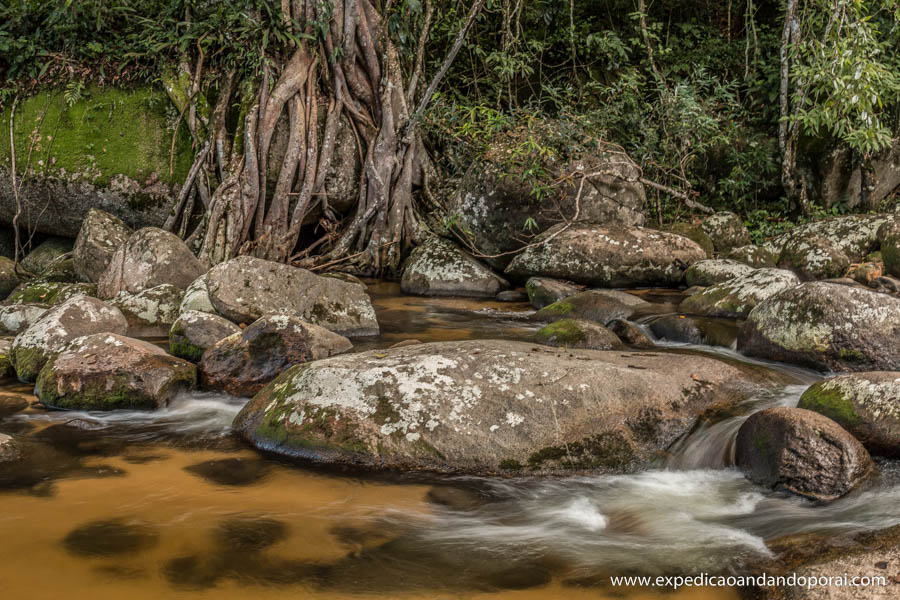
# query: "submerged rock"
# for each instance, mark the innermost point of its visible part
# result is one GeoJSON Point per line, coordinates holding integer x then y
{"type": "Point", "coordinates": [489, 406]}
{"type": "Point", "coordinates": [592, 305]}
{"type": "Point", "coordinates": [105, 371]}
{"type": "Point", "coordinates": [195, 331]}
{"type": "Point", "coordinates": [101, 234]}
{"type": "Point", "coordinates": [609, 256]}
{"type": "Point", "coordinates": [736, 297]}
{"type": "Point", "coordinates": [726, 230]}
{"type": "Point", "coordinates": [865, 404]}
{"type": "Point", "coordinates": [244, 289]}
{"type": "Point", "coordinates": [575, 333]}
{"type": "Point", "coordinates": [440, 268]}
{"type": "Point", "coordinates": [242, 363]}
{"type": "Point", "coordinates": [543, 290]}
{"type": "Point", "coordinates": [19, 317]}
{"type": "Point", "coordinates": [151, 312]}
{"type": "Point", "coordinates": [711, 272]}
{"type": "Point", "coordinates": [802, 452]}
{"type": "Point", "coordinates": [826, 326]}
{"type": "Point", "coordinates": [49, 335]}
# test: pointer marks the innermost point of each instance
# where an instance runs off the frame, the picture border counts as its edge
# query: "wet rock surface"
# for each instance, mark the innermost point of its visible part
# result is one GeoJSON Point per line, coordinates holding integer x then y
{"type": "Point", "coordinates": [576, 333]}
{"type": "Point", "coordinates": [543, 290]}
{"type": "Point", "coordinates": [591, 305]}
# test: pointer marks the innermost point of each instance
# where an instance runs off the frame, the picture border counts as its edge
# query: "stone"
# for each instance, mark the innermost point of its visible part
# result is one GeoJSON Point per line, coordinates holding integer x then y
{"type": "Point", "coordinates": [630, 333]}
{"type": "Point", "coordinates": [9, 280]}
{"type": "Point", "coordinates": [757, 257]}
{"type": "Point", "coordinates": [106, 371]}
{"type": "Point", "coordinates": [696, 234]}
{"type": "Point", "coordinates": [243, 363]}
{"type": "Point", "coordinates": [802, 452]}
{"type": "Point", "coordinates": [726, 230]}
{"type": "Point", "coordinates": [45, 253]}
{"type": "Point", "coordinates": [76, 317]}
{"type": "Point", "coordinates": [827, 327]}
{"type": "Point", "coordinates": [49, 292]}
{"type": "Point", "coordinates": [489, 406]}
{"type": "Point", "coordinates": [196, 331]}
{"type": "Point", "coordinates": [244, 289]}
{"type": "Point", "coordinates": [150, 257]}
{"type": "Point", "coordinates": [543, 290]}
{"type": "Point", "coordinates": [101, 234]}
{"type": "Point", "coordinates": [440, 268]}
{"type": "Point", "coordinates": [608, 256]}
{"type": "Point", "coordinates": [687, 329]}
{"type": "Point", "coordinates": [196, 297]}
{"type": "Point", "coordinates": [576, 333]}
{"type": "Point", "coordinates": [6, 368]}
{"type": "Point", "coordinates": [16, 318]}
{"type": "Point", "coordinates": [865, 404]}
{"type": "Point", "coordinates": [855, 235]}
{"type": "Point", "coordinates": [591, 305]}
{"type": "Point", "coordinates": [512, 296]}
{"type": "Point", "coordinates": [889, 241]}
{"type": "Point", "coordinates": [150, 312]}
{"type": "Point", "coordinates": [713, 271]}
{"type": "Point", "coordinates": [813, 257]}
{"type": "Point", "coordinates": [736, 297]}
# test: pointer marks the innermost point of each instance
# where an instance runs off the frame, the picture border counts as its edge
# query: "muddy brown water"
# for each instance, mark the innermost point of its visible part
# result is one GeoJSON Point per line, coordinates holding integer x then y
{"type": "Point", "coordinates": [169, 505]}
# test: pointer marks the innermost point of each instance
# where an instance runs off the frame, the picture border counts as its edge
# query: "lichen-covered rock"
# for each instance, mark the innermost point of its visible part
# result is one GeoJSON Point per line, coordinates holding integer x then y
{"type": "Point", "coordinates": [196, 297]}
{"type": "Point", "coordinates": [100, 236]}
{"type": "Point", "coordinates": [16, 318]}
{"type": "Point", "coordinates": [695, 330]}
{"type": "Point", "coordinates": [889, 240]}
{"type": "Point", "coordinates": [855, 235]}
{"type": "Point", "coordinates": [813, 257]}
{"type": "Point", "coordinates": [440, 268]}
{"type": "Point", "coordinates": [576, 333]}
{"type": "Point", "coordinates": [485, 406]}
{"type": "Point", "coordinates": [243, 363]}
{"type": "Point", "coordinates": [802, 452]}
{"type": "Point", "coordinates": [757, 257]}
{"type": "Point", "coordinates": [6, 368]}
{"type": "Point", "coordinates": [696, 234]}
{"type": "Point", "coordinates": [9, 280]}
{"type": "Point", "coordinates": [726, 230]}
{"type": "Point", "coordinates": [195, 331]}
{"type": "Point", "coordinates": [608, 256]}
{"type": "Point", "coordinates": [713, 271]}
{"type": "Point", "coordinates": [826, 326]}
{"type": "Point", "coordinates": [737, 297]}
{"type": "Point", "coordinates": [865, 404]}
{"type": "Point", "coordinates": [45, 253]}
{"type": "Point", "coordinates": [543, 291]}
{"type": "Point", "coordinates": [150, 312]}
{"type": "Point", "coordinates": [105, 371]}
{"type": "Point", "coordinates": [150, 257]}
{"type": "Point", "coordinates": [591, 305]}
{"type": "Point", "coordinates": [245, 288]}
{"type": "Point", "coordinates": [77, 316]}
{"type": "Point", "coordinates": [49, 292]}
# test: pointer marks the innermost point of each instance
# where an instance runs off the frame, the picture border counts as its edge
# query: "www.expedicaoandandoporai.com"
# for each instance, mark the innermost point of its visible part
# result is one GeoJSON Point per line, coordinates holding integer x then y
{"type": "Point", "coordinates": [793, 580]}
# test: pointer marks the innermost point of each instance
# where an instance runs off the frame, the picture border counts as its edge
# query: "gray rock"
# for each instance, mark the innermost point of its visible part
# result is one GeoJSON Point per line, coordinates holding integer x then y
{"type": "Point", "coordinates": [512, 296]}
{"type": "Point", "coordinates": [195, 331]}
{"type": "Point", "coordinates": [245, 288]}
{"type": "Point", "coordinates": [726, 230]}
{"type": "Point", "coordinates": [737, 297]}
{"type": "Point", "coordinates": [630, 333]}
{"type": "Point", "coordinates": [695, 330]}
{"type": "Point", "coordinates": [591, 305]}
{"type": "Point", "coordinates": [696, 234]}
{"type": "Point", "coordinates": [802, 452]}
{"type": "Point", "coordinates": [6, 368]}
{"type": "Point", "coordinates": [45, 253]}
{"type": "Point", "coordinates": [243, 363]}
{"type": "Point", "coordinates": [826, 326]}
{"type": "Point", "coordinates": [889, 240]}
{"type": "Point", "coordinates": [609, 257]}
{"type": "Point", "coordinates": [489, 406]}
{"type": "Point", "coordinates": [150, 257]}
{"type": "Point", "coordinates": [813, 257]}
{"type": "Point", "coordinates": [150, 312]}
{"type": "Point", "coordinates": [440, 268]}
{"type": "Point", "coordinates": [575, 333]}
{"type": "Point", "coordinates": [100, 236]}
{"type": "Point", "coordinates": [711, 272]}
{"type": "Point", "coordinates": [196, 297]}
{"type": "Point", "coordinates": [105, 371]}
{"type": "Point", "coordinates": [49, 335]}
{"type": "Point", "coordinates": [757, 257]}
{"type": "Point", "coordinates": [855, 235]}
{"type": "Point", "coordinates": [18, 317]}
{"type": "Point", "coordinates": [543, 291]}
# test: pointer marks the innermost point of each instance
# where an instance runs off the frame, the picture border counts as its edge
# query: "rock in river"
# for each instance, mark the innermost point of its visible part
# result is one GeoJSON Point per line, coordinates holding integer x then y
{"type": "Point", "coordinates": [440, 268]}
{"type": "Point", "coordinates": [574, 333]}
{"type": "Point", "coordinates": [736, 297]}
{"type": "Point", "coordinates": [543, 291]}
{"type": "Point", "coordinates": [592, 305]}
{"type": "Point", "coordinates": [713, 271]}
{"type": "Point", "coordinates": [488, 406]}
{"type": "Point", "coordinates": [195, 331]}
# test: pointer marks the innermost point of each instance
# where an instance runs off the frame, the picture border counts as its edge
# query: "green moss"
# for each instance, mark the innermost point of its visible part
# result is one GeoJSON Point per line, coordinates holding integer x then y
{"type": "Point", "coordinates": [561, 307]}
{"type": "Point", "coordinates": [851, 355]}
{"type": "Point", "coordinates": [696, 235]}
{"type": "Point", "coordinates": [109, 132]}
{"type": "Point", "coordinates": [565, 332]}
{"type": "Point", "coordinates": [510, 464]}
{"type": "Point", "coordinates": [27, 362]}
{"type": "Point", "coordinates": [180, 347]}
{"type": "Point", "coordinates": [609, 451]}
{"type": "Point", "coordinates": [830, 402]}
{"type": "Point", "coordinates": [50, 292]}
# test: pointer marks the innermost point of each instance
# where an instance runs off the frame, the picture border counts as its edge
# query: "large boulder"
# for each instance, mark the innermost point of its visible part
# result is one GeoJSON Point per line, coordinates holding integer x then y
{"type": "Point", "coordinates": [543, 291]}
{"type": "Point", "coordinates": [244, 289]}
{"type": "Point", "coordinates": [865, 404]}
{"type": "Point", "coordinates": [713, 271]}
{"type": "Point", "coordinates": [196, 331]}
{"type": "Point", "coordinates": [440, 268]}
{"type": "Point", "coordinates": [802, 452]}
{"type": "Point", "coordinates": [150, 312]}
{"type": "Point", "coordinates": [814, 257]}
{"type": "Point", "coordinates": [826, 326]}
{"type": "Point", "coordinates": [591, 305]}
{"type": "Point", "coordinates": [101, 234]}
{"type": "Point", "coordinates": [855, 235]}
{"type": "Point", "coordinates": [9, 279]}
{"type": "Point", "coordinates": [576, 333]}
{"type": "Point", "coordinates": [243, 363]}
{"type": "Point", "coordinates": [105, 371]}
{"type": "Point", "coordinates": [485, 406]}
{"type": "Point", "coordinates": [49, 292]}
{"type": "Point", "coordinates": [726, 230]}
{"type": "Point", "coordinates": [608, 256]}
{"type": "Point", "coordinates": [78, 316]}
{"type": "Point", "coordinates": [696, 234]}
{"type": "Point", "coordinates": [16, 318]}
{"type": "Point", "coordinates": [150, 257]}
{"type": "Point", "coordinates": [738, 296]}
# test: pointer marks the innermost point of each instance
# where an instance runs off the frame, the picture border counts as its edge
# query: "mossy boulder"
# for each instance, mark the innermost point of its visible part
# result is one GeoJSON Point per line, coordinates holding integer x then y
{"type": "Point", "coordinates": [726, 230]}
{"type": "Point", "coordinates": [195, 331]}
{"type": "Point", "coordinates": [9, 280]}
{"type": "Point", "coordinates": [39, 291]}
{"type": "Point", "coordinates": [590, 305]}
{"type": "Point", "coordinates": [826, 326]}
{"type": "Point", "coordinates": [46, 337]}
{"type": "Point", "coordinates": [813, 257]}
{"type": "Point", "coordinates": [608, 256]}
{"type": "Point", "coordinates": [6, 368]}
{"type": "Point", "coordinates": [865, 404]}
{"type": "Point", "coordinates": [151, 312]}
{"type": "Point", "coordinates": [855, 235]}
{"type": "Point", "coordinates": [575, 333]}
{"type": "Point", "coordinates": [710, 272]}
{"type": "Point", "coordinates": [481, 406]}
{"type": "Point", "coordinates": [889, 240]}
{"type": "Point", "coordinates": [101, 234]}
{"type": "Point", "coordinates": [106, 371]}
{"type": "Point", "coordinates": [696, 234]}
{"type": "Point", "coordinates": [802, 452]}
{"type": "Point", "coordinates": [109, 150]}
{"type": "Point", "coordinates": [757, 257]}
{"type": "Point", "coordinates": [736, 297]}
{"type": "Point", "coordinates": [18, 317]}
{"type": "Point", "coordinates": [543, 290]}
{"type": "Point", "coordinates": [439, 267]}
{"type": "Point", "coordinates": [243, 363]}
{"type": "Point", "coordinates": [45, 253]}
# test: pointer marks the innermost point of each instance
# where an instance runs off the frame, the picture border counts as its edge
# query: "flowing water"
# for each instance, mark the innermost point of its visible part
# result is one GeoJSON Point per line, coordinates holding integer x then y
{"type": "Point", "coordinates": [169, 504]}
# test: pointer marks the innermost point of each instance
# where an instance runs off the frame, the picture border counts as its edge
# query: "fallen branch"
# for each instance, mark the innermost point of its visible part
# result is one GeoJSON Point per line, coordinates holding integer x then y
{"type": "Point", "coordinates": [690, 202]}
